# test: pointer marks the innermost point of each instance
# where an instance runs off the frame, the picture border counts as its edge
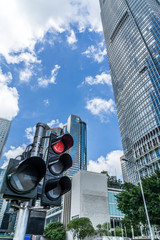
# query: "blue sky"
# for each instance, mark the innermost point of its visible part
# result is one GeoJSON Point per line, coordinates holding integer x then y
{"type": "Point", "coordinates": [53, 63]}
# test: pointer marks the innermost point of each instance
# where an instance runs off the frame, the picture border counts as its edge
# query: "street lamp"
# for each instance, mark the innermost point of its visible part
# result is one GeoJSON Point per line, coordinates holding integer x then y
{"type": "Point", "coordinates": [144, 201]}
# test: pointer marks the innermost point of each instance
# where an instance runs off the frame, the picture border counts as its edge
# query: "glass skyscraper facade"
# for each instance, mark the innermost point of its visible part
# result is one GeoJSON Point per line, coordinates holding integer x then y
{"type": "Point", "coordinates": [77, 128]}
{"type": "Point", "coordinates": [132, 35]}
{"type": "Point", "coordinates": [4, 130]}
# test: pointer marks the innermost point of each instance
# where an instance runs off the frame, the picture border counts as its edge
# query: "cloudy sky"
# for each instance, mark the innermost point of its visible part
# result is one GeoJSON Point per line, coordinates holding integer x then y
{"type": "Point", "coordinates": [53, 63]}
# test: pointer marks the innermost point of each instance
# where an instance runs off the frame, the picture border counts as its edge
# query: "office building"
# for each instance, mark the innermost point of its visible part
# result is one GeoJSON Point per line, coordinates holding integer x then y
{"type": "Point", "coordinates": [3, 202]}
{"type": "Point", "coordinates": [132, 35]}
{"type": "Point", "coordinates": [115, 214]}
{"type": "Point", "coordinates": [77, 128]}
{"type": "Point", "coordinates": [4, 130]}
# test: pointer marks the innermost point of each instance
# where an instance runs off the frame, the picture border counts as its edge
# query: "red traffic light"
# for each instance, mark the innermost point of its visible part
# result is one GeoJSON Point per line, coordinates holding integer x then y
{"type": "Point", "coordinates": [65, 142]}
{"type": "Point", "coordinates": [58, 147]}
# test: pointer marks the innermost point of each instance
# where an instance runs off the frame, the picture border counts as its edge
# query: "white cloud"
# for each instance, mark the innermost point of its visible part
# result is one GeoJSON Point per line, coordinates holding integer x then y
{"type": "Point", "coordinates": [110, 163]}
{"type": "Point", "coordinates": [97, 53]}
{"type": "Point", "coordinates": [27, 57]}
{"type": "Point", "coordinates": [5, 78]}
{"type": "Point", "coordinates": [72, 38]}
{"type": "Point", "coordinates": [46, 102]}
{"type": "Point", "coordinates": [8, 102]}
{"type": "Point", "coordinates": [55, 123]}
{"type": "Point", "coordinates": [25, 75]}
{"type": "Point", "coordinates": [13, 153]}
{"type": "Point", "coordinates": [43, 82]}
{"type": "Point", "coordinates": [21, 26]}
{"type": "Point", "coordinates": [103, 78]}
{"type": "Point", "coordinates": [8, 97]}
{"type": "Point", "coordinates": [30, 131]}
{"type": "Point", "coordinates": [101, 107]}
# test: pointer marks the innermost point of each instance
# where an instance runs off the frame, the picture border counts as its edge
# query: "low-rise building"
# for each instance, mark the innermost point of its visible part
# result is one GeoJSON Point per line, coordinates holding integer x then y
{"type": "Point", "coordinates": [92, 198]}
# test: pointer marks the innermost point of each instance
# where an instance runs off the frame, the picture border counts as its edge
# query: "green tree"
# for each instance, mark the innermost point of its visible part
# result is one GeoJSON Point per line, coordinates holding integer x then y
{"type": "Point", "coordinates": [130, 200]}
{"type": "Point", "coordinates": [127, 224]}
{"type": "Point", "coordinates": [104, 229]}
{"type": "Point", "coordinates": [82, 227]}
{"type": "Point", "coordinates": [111, 181]}
{"type": "Point", "coordinates": [55, 231]}
{"type": "Point", "coordinates": [118, 231]}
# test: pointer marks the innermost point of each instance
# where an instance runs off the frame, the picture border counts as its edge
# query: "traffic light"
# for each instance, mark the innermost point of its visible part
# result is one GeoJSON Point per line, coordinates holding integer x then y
{"type": "Point", "coordinates": [55, 184]}
{"type": "Point", "coordinates": [22, 177]}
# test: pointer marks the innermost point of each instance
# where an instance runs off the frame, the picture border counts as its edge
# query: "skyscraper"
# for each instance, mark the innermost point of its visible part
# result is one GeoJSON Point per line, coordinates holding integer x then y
{"type": "Point", "coordinates": [77, 128]}
{"type": "Point", "coordinates": [132, 35]}
{"type": "Point", "coordinates": [4, 130]}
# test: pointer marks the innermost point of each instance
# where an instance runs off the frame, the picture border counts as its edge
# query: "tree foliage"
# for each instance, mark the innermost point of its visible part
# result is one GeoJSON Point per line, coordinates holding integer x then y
{"type": "Point", "coordinates": [127, 224]}
{"type": "Point", "coordinates": [112, 181]}
{"type": "Point", "coordinates": [118, 231]}
{"type": "Point", "coordinates": [82, 227]}
{"type": "Point", "coordinates": [103, 230]}
{"type": "Point", "coordinates": [130, 200]}
{"type": "Point", "coordinates": [55, 231]}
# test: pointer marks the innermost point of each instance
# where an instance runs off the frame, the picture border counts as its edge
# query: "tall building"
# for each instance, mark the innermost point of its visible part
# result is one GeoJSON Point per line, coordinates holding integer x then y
{"type": "Point", "coordinates": [4, 130]}
{"type": "Point", "coordinates": [77, 128]}
{"type": "Point", "coordinates": [132, 35]}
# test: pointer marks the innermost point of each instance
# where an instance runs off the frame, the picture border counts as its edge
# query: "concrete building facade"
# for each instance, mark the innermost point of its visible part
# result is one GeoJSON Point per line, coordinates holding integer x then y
{"type": "Point", "coordinates": [132, 35]}
{"type": "Point", "coordinates": [90, 197]}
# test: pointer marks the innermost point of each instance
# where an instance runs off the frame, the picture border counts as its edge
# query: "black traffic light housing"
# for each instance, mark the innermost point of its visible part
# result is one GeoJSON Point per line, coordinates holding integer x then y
{"type": "Point", "coordinates": [22, 177]}
{"type": "Point", "coordinates": [55, 184]}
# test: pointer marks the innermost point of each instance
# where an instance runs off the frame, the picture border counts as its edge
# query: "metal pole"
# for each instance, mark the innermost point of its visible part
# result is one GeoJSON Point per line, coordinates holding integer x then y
{"type": "Point", "coordinates": [145, 206]}
{"type": "Point", "coordinates": [144, 202]}
{"type": "Point", "coordinates": [22, 222]}
{"type": "Point", "coordinates": [24, 210]}
{"type": "Point", "coordinates": [37, 142]}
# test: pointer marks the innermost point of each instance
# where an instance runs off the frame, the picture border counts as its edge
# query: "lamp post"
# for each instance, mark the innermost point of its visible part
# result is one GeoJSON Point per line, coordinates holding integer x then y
{"type": "Point", "coordinates": [144, 201]}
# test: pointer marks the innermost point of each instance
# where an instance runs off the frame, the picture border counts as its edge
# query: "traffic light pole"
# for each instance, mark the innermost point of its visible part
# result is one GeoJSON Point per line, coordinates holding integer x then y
{"type": "Point", "coordinates": [24, 208]}
{"type": "Point", "coordinates": [22, 222]}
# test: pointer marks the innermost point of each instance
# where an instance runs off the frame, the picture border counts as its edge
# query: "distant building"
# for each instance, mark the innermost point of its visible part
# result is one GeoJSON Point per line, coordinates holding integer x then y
{"type": "Point", "coordinates": [4, 130]}
{"type": "Point", "coordinates": [132, 35]}
{"type": "Point", "coordinates": [77, 128]}
{"type": "Point", "coordinates": [124, 169]}
{"type": "Point", "coordinates": [3, 202]}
